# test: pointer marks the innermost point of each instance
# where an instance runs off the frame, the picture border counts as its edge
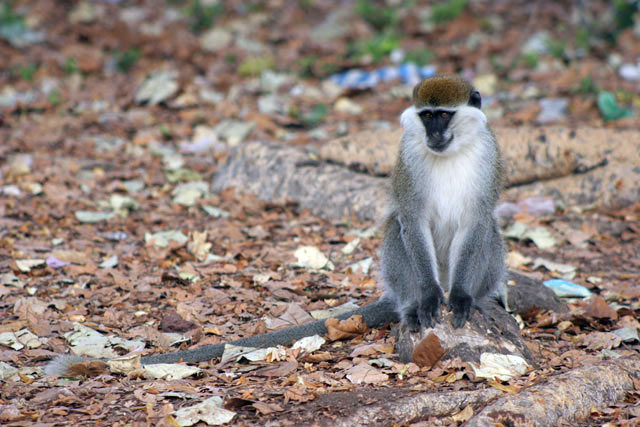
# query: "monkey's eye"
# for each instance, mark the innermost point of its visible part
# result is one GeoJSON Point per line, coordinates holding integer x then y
{"type": "Point", "coordinates": [444, 115]}
{"type": "Point", "coordinates": [427, 114]}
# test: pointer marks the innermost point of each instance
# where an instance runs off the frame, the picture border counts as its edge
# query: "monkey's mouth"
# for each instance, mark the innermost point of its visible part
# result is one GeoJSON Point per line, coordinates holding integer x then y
{"type": "Point", "coordinates": [438, 143]}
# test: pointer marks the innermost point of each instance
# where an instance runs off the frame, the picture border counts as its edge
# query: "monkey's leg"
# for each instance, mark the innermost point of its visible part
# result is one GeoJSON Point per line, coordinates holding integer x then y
{"type": "Point", "coordinates": [418, 257]}
{"type": "Point", "coordinates": [468, 257]}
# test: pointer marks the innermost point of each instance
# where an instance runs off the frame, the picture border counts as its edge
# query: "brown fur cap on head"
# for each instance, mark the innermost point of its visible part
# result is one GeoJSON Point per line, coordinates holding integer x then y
{"type": "Point", "coordinates": [442, 91]}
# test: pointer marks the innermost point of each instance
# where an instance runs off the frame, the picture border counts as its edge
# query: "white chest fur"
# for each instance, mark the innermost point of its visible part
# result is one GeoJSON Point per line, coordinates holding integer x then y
{"type": "Point", "coordinates": [450, 187]}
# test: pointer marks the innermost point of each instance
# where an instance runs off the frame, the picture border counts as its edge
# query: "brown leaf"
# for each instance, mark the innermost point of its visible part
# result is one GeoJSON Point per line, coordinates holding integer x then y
{"type": "Point", "coordinates": [500, 386]}
{"type": "Point", "coordinates": [349, 328]}
{"type": "Point", "coordinates": [294, 316]}
{"type": "Point", "coordinates": [267, 408]}
{"type": "Point", "coordinates": [371, 349]}
{"type": "Point", "coordinates": [599, 340]}
{"type": "Point", "coordinates": [37, 324]}
{"type": "Point", "coordinates": [318, 356]}
{"type": "Point", "coordinates": [173, 322]}
{"type": "Point", "coordinates": [279, 370]}
{"type": "Point", "coordinates": [299, 393]}
{"type": "Point", "coordinates": [428, 351]}
{"type": "Point", "coordinates": [463, 415]}
{"type": "Point", "coordinates": [367, 374]}
{"type": "Point", "coordinates": [599, 309]}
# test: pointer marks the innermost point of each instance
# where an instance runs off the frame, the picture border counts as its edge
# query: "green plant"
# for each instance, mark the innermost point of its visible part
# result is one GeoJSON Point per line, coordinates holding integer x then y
{"type": "Point", "coordinates": [419, 56]}
{"type": "Point", "coordinates": [530, 60]}
{"type": "Point", "coordinates": [127, 59]}
{"type": "Point", "coordinates": [11, 24]}
{"type": "Point", "coordinates": [557, 48]}
{"type": "Point", "coordinates": [26, 72]}
{"type": "Point", "coordinates": [378, 47]}
{"type": "Point", "coordinates": [305, 65]}
{"type": "Point", "coordinates": [582, 38]}
{"type": "Point", "coordinates": [253, 66]}
{"type": "Point", "coordinates": [380, 17]}
{"type": "Point", "coordinates": [166, 132]}
{"type": "Point", "coordinates": [54, 98]}
{"type": "Point", "coordinates": [71, 66]}
{"type": "Point", "coordinates": [624, 13]}
{"type": "Point", "coordinates": [316, 115]}
{"type": "Point", "coordinates": [587, 86]}
{"type": "Point", "coordinates": [447, 11]}
{"type": "Point", "coordinates": [305, 4]}
{"type": "Point", "coordinates": [202, 15]}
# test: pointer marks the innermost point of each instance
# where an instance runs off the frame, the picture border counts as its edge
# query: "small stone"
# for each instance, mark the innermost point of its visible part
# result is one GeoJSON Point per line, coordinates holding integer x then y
{"type": "Point", "coordinates": [270, 104]}
{"type": "Point", "coordinates": [347, 106]}
{"type": "Point", "coordinates": [270, 81]}
{"type": "Point", "coordinates": [538, 43]}
{"type": "Point", "coordinates": [552, 110]}
{"type": "Point", "coordinates": [158, 87]}
{"type": "Point", "coordinates": [233, 131]}
{"type": "Point", "coordinates": [614, 60]}
{"type": "Point", "coordinates": [215, 39]}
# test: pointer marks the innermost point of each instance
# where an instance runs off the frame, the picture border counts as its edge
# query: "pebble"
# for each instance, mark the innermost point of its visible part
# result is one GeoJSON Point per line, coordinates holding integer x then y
{"type": "Point", "coordinates": [552, 110]}
{"type": "Point", "coordinates": [347, 106]}
{"type": "Point", "coordinates": [215, 39]}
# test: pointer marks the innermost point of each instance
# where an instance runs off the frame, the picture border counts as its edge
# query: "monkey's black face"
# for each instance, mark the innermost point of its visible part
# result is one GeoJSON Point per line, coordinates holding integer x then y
{"type": "Point", "coordinates": [436, 123]}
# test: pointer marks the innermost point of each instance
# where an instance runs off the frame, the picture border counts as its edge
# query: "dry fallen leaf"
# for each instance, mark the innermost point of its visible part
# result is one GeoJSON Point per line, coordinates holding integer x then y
{"type": "Point", "coordinates": [349, 328]}
{"type": "Point", "coordinates": [500, 386]}
{"type": "Point", "coordinates": [363, 373]}
{"type": "Point", "coordinates": [428, 351]}
{"type": "Point", "coordinates": [601, 340]}
{"type": "Point", "coordinates": [464, 415]}
{"type": "Point", "coordinates": [371, 349]}
{"type": "Point", "coordinates": [267, 408]}
{"type": "Point", "coordinates": [280, 370]}
{"type": "Point", "coordinates": [599, 309]}
{"type": "Point", "coordinates": [299, 393]}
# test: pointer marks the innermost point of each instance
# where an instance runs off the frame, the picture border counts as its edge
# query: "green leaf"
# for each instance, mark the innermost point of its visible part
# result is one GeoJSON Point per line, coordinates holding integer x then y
{"type": "Point", "coordinates": [609, 107]}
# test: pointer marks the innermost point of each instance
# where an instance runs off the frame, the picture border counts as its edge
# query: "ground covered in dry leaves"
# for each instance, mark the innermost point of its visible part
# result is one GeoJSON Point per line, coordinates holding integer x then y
{"type": "Point", "coordinates": [106, 219]}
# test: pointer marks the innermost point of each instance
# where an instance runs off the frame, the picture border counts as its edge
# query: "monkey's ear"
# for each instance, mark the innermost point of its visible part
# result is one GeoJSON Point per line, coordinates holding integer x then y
{"type": "Point", "coordinates": [475, 100]}
{"type": "Point", "coordinates": [414, 97]}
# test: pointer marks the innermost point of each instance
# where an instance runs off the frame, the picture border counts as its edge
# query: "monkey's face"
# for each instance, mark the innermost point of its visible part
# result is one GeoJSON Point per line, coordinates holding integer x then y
{"type": "Point", "coordinates": [436, 125]}
{"type": "Point", "coordinates": [446, 114]}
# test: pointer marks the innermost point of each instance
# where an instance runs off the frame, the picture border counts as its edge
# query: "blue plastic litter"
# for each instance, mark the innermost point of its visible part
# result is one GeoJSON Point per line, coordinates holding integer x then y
{"type": "Point", "coordinates": [566, 289]}
{"type": "Point", "coordinates": [408, 73]}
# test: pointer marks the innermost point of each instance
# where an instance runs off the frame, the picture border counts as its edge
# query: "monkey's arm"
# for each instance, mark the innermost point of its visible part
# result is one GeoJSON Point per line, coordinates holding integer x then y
{"type": "Point", "coordinates": [375, 314]}
{"type": "Point", "coordinates": [421, 255]}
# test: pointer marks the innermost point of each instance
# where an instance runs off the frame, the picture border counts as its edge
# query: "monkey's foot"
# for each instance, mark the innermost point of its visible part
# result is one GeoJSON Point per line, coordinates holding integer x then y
{"type": "Point", "coordinates": [461, 304]}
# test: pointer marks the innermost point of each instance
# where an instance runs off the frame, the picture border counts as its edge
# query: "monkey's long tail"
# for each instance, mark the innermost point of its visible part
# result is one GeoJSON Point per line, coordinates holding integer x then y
{"type": "Point", "coordinates": [375, 314]}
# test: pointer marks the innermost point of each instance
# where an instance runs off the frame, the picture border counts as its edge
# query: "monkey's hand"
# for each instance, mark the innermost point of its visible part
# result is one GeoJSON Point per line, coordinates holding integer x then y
{"type": "Point", "coordinates": [461, 304]}
{"type": "Point", "coordinates": [426, 312]}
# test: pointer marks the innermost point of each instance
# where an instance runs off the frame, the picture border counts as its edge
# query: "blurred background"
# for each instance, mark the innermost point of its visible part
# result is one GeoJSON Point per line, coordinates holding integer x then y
{"type": "Point", "coordinates": [308, 70]}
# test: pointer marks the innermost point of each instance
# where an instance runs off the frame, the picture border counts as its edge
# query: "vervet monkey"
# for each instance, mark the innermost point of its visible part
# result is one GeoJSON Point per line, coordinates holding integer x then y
{"type": "Point", "coordinates": [440, 233]}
